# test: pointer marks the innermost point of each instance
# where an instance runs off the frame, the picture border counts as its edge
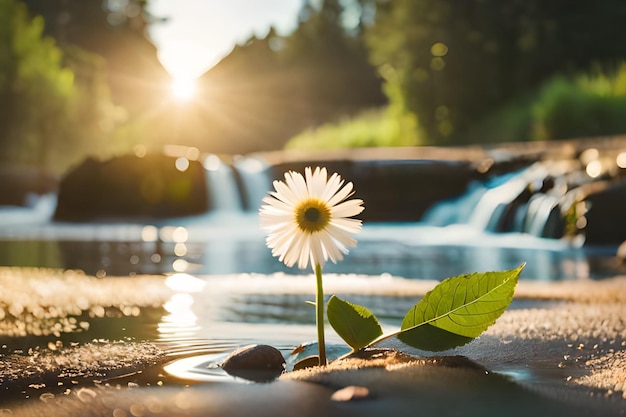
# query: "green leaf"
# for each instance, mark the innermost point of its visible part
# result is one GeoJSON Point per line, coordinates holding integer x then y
{"type": "Point", "coordinates": [431, 338]}
{"type": "Point", "coordinates": [458, 309]}
{"type": "Point", "coordinates": [356, 325]}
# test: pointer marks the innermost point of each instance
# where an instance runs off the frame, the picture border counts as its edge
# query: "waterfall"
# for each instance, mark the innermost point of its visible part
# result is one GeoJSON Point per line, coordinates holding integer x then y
{"type": "Point", "coordinates": [515, 202]}
{"type": "Point", "coordinates": [540, 208]}
{"type": "Point", "coordinates": [494, 201]}
{"type": "Point", "coordinates": [482, 205]}
{"type": "Point", "coordinates": [254, 180]}
{"type": "Point", "coordinates": [236, 187]}
{"type": "Point", "coordinates": [502, 207]}
{"type": "Point", "coordinates": [457, 210]}
{"type": "Point", "coordinates": [223, 189]}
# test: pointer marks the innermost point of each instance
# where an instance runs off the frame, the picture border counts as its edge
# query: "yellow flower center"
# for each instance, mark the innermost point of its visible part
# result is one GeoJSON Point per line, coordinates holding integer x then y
{"type": "Point", "coordinates": [312, 215]}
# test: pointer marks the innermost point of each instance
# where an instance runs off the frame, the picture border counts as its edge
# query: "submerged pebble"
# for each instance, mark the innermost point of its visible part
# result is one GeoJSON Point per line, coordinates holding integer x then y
{"type": "Point", "coordinates": [308, 362]}
{"type": "Point", "coordinates": [259, 363]}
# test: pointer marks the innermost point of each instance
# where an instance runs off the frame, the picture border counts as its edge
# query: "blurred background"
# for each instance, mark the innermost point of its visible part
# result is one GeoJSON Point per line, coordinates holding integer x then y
{"type": "Point", "coordinates": [106, 77]}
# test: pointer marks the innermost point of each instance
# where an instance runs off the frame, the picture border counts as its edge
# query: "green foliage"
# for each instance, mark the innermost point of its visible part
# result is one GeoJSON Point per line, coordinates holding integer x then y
{"type": "Point", "coordinates": [583, 105]}
{"type": "Point", "coordinates": [36, 90]}
{"type": "Point", "coordinates": [452, 314]}
{"type": "Point", "coordinates": [114, 31]}
{"type": "Point", "coordinates": [513, 122]}
{"type": "Point", "coordinates": [56, 103]}
{"type": "Point", "coordinates": [458, 309]}
{"type": "Point", "coordinates": [586, 106]}
{"type": "Point", "coordinates": [458, 62]}
{"type": "Point", "coordinates": [355, 324]}
{"type": "Point", "coordinates": [393, 125]}
{"type": "Point", "coordinates": [370, 128]}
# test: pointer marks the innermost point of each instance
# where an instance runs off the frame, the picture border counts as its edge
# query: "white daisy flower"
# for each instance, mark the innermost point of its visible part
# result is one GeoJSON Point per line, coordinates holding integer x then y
{"type": "Point", "coordinates": [307, 218]}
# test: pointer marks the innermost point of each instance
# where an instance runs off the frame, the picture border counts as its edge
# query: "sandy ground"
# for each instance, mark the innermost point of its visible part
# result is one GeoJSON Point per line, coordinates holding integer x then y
{"type": "Point", "coordinates": [560, 351]}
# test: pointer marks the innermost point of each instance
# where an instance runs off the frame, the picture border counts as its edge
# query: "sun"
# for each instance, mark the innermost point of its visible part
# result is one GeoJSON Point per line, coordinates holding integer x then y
{"type": "Point", "coordinates": [183, 88]}
{"type": "Point", "coordinates": [186, 62]}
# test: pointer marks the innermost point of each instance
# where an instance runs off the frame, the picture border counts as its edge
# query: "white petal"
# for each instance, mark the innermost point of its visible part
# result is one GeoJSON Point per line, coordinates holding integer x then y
{"type": "Point", "coordinates": [285, 193]}
{"type": "Point", "coordinates": [278, 202]}
{"type": "Point", "coordinates": [271, 220]}
{"type": "Point", "coordinates": [280, 242]}
{"type": "Point", "coordinates": [308, 178]}
{"type": "Point", "coordinates": [275, 207]}
{"type": "Point", "coordinates": [351, 226]}
{"type": "Point", "coordinates": [268, 211]}
{"type": "Point", "coordinates": [290, 256]}
{"type": "Point", "coordinates": [341, 195]}
{"type": "Point", "coordinates": [308, 173]}
{"type": "Point", "coordinates": [334, 184]}
{"type": "Point", "coordinates": [297, 184]}
{"type": "Point", "coordinates": [340, 236]}
{"type": "Point", "coordinates": [318, 256]}
{"type": "Point", "coordinates": [317, 183]}
{"type": "Point", "coordinates": [284, 228]}
{"type": "Point", "coordinates": [273, 202]}
{"type": "Point", "coordinates": [270, 216]}
{"type": "Point", "coordinates": [298, 245]}
{"type": "Point", "coordinates": [305, 252]}
{"type": "Point", "coordinates": [338, 245]}
{"type": "Point", "coordinates": [347, 208]}
{"type": "Point", "coordinates": [273, 227]}
{"type": "Point", "coordinates": [320, 174]}
{"type": "Point", "coordinates": [334, 253]}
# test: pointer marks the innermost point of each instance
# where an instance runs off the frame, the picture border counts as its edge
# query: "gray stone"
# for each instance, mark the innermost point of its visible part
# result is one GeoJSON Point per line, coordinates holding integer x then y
{"type": "Point", "coordinates": [259, 363]}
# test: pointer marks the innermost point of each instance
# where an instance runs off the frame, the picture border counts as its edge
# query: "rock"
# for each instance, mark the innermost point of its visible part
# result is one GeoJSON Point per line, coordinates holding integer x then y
{"type": "Point", "coordinates": [604, 224]}
{"type": "Point", "coordinates": [259, 363]}
{"type": "Point", "coordinates": [132, 187]}
{"type": "Point", "coordinates": [308, 362]}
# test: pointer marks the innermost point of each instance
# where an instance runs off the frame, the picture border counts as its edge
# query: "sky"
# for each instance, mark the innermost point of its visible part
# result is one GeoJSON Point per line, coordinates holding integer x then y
{"type": "Point", "coordinates": [199, 33]}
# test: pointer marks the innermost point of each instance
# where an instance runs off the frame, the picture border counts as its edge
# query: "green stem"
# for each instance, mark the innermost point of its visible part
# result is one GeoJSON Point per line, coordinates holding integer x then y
{"type": "Point", "coordinates": [319, 314]}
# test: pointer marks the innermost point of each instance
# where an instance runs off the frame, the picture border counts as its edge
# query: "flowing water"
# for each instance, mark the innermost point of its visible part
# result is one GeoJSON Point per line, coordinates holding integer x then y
{"type": "Point", "coordinates": [454, 236]}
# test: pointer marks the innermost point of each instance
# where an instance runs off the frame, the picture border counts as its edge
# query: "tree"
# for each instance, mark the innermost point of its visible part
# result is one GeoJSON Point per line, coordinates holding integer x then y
{"type": "Point", "coordinates": [272, 88]}
{"type": "Point", "coordinates": [36, 89]}
{"type": "Point", "coordinates": [114, 30]}
{"type": "Point", "coordinates": [456, 61]}
{"type": "Point", "coordinates": [54, 104]}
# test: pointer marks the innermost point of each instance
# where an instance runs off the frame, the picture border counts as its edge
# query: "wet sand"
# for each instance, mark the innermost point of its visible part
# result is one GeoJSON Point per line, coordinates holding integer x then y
{"type": "Point", "coordinates": [560, 350]}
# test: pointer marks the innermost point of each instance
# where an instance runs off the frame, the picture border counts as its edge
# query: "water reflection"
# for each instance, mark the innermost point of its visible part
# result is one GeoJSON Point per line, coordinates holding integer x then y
{"type": "Point", "coordinates": [374, 255]}
{"type": "Point", "coordinates": [185, 283]}
{"type": "Point", "coordinates": [179, 328]}
{"type": "Point", "coordinates": [201, 368]}
{"type": "Point", "coordinates": [180, 321]}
